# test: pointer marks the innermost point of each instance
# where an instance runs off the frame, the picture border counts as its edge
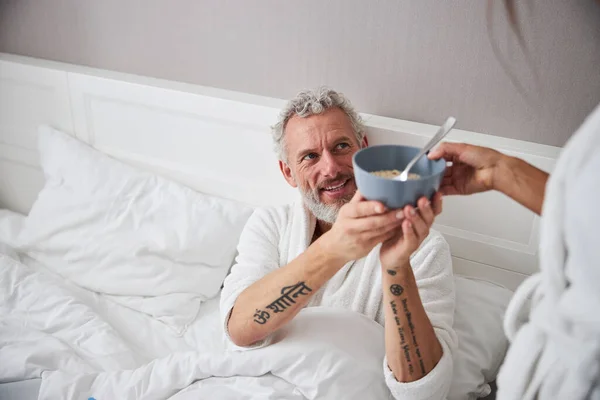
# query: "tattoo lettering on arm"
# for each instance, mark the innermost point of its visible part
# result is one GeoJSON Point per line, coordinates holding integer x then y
{"type": "Point", "coordinates": [411, 326]}
{"type": "Point", "coordinates": [287, 298]}
{"type": "Point", "coordinates": [403, 344]}
{"type": "Point", "coordinates": [288, 294]}
{"type": "Point", "coordinates": [261, 317]}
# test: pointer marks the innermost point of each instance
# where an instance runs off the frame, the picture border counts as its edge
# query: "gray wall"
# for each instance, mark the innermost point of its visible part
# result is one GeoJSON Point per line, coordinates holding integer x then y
{"type": "Point", "coordinates": [419, 60]}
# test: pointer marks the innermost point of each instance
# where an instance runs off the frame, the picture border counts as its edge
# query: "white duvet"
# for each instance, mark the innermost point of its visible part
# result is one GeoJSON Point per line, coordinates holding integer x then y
{"type": "Point", "coordinates": [84, 345]}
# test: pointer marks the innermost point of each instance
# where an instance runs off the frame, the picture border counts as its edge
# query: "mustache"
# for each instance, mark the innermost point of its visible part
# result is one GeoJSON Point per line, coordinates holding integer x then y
{"type": "Point", "coordinates": [336, 179]}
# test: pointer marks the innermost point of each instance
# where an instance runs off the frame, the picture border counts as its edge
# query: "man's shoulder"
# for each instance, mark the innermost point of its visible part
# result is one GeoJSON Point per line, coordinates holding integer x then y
{"type": "Point", "coordinates": [271, 219]}
{"type": "Point", "coordinates": [273, 213]}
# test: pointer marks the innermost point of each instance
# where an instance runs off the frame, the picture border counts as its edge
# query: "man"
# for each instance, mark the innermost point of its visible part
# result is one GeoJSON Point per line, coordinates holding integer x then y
{"type": "Point", "coordinates": [333, 248]}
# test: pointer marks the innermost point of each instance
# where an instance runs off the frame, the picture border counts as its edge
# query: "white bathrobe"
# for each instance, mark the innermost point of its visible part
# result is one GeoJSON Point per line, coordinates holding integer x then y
{"type": "Point", "coordinates": [556, 354]}
{"type": "Point", "coordinates": [275, 236]}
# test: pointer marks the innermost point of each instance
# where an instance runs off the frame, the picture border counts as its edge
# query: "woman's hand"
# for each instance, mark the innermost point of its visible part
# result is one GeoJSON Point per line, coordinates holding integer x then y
{"type": "Point", "coordinates": [474, 169]}
{"type": "Point", "coordinates": [478, 169]}
{"type": "Point", "coordinates": [395, 252]}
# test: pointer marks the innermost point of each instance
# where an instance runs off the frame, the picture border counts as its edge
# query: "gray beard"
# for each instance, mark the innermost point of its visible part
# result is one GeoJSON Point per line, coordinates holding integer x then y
{"type": "Point", "coordinates": [323, 212]}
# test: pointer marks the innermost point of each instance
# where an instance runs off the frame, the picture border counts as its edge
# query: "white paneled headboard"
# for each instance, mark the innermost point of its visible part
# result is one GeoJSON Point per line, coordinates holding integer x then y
{"type": "Point", "coordinates": [218, 142]}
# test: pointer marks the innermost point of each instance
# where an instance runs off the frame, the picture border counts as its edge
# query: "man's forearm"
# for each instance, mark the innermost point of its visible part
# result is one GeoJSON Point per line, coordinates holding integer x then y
{"type": "Point", "coordinates": [522, 182]}
{"type": "Point", "coordinates": [411, 345]}
{"type": "Point", "coordinates": [271, 302]}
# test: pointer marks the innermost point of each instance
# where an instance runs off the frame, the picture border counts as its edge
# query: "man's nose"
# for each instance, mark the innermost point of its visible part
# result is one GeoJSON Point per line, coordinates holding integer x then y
{"type": "Point", "coordinates": [329, 165]}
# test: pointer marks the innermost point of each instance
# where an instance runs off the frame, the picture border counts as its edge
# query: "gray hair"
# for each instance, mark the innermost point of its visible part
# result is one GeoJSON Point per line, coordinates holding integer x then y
{"type": "Point", "coordinates": [311, 102]}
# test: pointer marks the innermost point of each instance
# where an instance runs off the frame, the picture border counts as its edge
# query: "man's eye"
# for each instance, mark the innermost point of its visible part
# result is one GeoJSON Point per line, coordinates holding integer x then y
{"type": "Point", "coordinates": [342, 146]}
{"type": "Point", "coordinates": [310, 156]}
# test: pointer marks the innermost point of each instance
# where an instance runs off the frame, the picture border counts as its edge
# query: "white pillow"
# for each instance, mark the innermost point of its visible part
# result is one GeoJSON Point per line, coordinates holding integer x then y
{"type": "Point", "coordinates": [151, 243]}
{"type": "Point", "coordinates": [482, 344]}
{"type": "Point", "coordinates": [10, 226]}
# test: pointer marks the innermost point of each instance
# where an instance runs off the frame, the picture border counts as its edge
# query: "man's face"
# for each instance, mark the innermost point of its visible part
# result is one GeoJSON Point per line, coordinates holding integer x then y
{"type": "Point", "coordinates": [319, 154]}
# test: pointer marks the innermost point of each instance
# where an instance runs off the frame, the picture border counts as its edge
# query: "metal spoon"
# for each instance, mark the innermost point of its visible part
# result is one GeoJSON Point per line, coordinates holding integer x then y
{"type": "Point", "coordinates": [443, 131]}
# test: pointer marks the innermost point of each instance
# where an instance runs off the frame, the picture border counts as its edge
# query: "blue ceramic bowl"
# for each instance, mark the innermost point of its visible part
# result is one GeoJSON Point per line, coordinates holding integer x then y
{"type": "Point", "coordinates": [392, 193]}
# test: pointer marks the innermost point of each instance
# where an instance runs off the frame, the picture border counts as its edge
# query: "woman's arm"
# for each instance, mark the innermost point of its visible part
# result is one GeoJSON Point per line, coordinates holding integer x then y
{"type": "Point", "coordinates": [522, 182]}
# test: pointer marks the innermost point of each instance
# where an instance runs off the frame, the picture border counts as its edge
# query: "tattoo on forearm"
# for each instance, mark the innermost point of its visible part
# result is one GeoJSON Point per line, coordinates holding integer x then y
{"type": "Point", "coordinates": [261, 317]}
{"type": "Point", "coordinates": [403, 344]}
{"type": "Point", "coordinates": [408, 315]}
{"type": "Point", "coordinates": [400, 329]}
{"type": "Point", "coordinates": [411, 326]}
{"type": "Point", "coordinates": [391, 272]}
{"type": "Point", "coordinates": [396, 289]}
{"type": "Point", "coordinates": [288, 294]}
{"type": "Point", "coordinates": [406, 347]}
{"type": "Point", "coordinates": [287, 298]}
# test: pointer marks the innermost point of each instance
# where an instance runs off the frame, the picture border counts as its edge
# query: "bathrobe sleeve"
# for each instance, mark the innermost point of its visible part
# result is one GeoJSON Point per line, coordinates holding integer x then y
{"type": "Point", "coordinates": [258, 255]}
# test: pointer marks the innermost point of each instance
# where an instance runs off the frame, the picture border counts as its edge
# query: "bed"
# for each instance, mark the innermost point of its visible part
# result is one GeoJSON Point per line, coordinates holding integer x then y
{"type": "Point", "coordinates": [90, 330]}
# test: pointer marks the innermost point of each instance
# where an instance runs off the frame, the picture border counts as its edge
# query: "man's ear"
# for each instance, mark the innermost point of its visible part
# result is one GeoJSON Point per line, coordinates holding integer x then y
{"type": "Point", "coordinates": [365, 142]}
{"type": "Point", "coordinates": [287, 174]}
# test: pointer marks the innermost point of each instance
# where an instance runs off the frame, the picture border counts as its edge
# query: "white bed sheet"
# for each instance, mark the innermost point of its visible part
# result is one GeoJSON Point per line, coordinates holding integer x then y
{"type": "Point", "coordinates": [23, 390]}
{"type": "Point", "coordinates": [149, 337]}
{"type": "Point", "coordinates": [10, 226]}
{"type": "Point", "coordinates": [86, 344]}
{"type": "Point", "coordinates": [140, 337]}
{"type": "Point", "coordinates": [268, 387]}
{"type": "Point", "coordinates": [152, 339]}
